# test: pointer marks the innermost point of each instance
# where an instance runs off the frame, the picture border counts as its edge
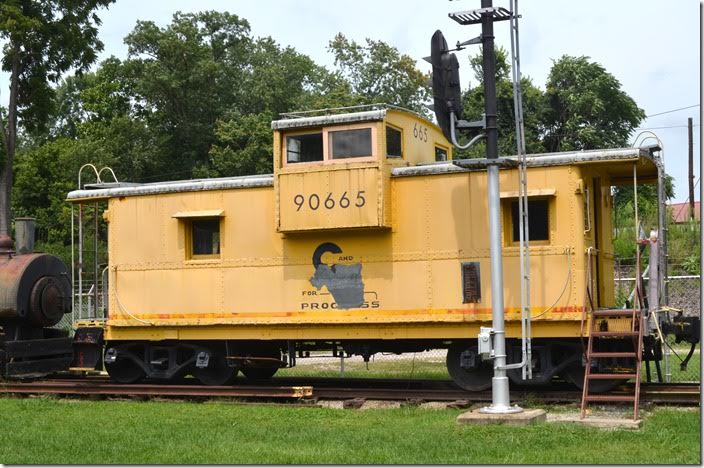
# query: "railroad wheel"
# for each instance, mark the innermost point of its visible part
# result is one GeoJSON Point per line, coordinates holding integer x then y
{"type": "Point", "coordinates": [125, 371]}
{"type": "Point", "coordinates": [217, 372]}
{"type": "Point", "coordinates": [575, 375]}
{"type": "Point", "coordinates": [476, 375]}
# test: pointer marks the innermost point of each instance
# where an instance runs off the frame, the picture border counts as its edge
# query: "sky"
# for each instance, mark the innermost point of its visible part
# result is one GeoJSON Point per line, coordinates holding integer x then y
{"type": "Point", "coordinates": [650, 46]}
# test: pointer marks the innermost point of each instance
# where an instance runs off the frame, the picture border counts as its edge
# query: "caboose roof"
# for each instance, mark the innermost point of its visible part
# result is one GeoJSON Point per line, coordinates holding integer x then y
{"type": "Point", "coordinates": [339, 116]}
{"type": "Point", "coordinates": [325, 120]}
{"type": "Point", "coordinates": [620, 173]}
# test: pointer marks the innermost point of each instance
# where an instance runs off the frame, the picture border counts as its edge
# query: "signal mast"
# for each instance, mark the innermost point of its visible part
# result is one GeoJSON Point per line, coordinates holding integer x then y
{"type": "Point", "coordinates": [447, 97]}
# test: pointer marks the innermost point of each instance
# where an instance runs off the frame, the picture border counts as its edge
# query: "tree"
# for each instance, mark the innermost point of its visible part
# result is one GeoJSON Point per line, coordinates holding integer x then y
{"type": "Point", "coordinates": [279, 79]}
{"type": "Point", "coordinates": [533, 108]}
{"type": "Point", "coordinates": [243, 146]}
{"type": "Point", "coordinates": [198, 76]}
{"type": "Point", "coordinates": [586, 107]}
{"type": "Point", "coordinates": [184, 77]}
{"type": "Point", "coordinates": [43, 40]}
{"type": "Point", "coordinates": [378, 73]}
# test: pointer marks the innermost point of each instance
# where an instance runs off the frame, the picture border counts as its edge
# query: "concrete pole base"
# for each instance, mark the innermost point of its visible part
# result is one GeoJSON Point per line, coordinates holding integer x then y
{"type": "Point", "coordinates": [524, 418]}
{"type": "Point", "coordinates": [501, 409]}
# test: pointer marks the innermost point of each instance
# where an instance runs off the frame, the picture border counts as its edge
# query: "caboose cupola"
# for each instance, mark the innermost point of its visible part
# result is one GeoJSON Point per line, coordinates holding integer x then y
{"type": "Point", "coordinates": [332, 169]}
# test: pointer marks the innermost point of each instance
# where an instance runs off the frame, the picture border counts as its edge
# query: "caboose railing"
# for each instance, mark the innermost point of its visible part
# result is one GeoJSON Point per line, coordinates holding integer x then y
{"type": "Point", "coordinates": [89, 301]}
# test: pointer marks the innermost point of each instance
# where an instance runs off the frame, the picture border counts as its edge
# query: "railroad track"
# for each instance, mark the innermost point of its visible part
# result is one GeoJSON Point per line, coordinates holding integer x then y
{"type": "Point", "coordinates": [337, 389]}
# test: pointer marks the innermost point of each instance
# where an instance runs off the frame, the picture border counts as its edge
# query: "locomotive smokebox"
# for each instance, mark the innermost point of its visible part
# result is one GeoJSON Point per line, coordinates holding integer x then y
{"type": "Point", "coordinates": [34, 288]}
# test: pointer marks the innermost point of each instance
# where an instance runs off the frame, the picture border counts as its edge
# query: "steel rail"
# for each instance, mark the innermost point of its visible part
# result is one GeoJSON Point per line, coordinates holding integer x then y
{"type": "Point", "coordinates": [321, 388]}
{"type": "Point", "coordinates": [67, 387]}
{"type": "Point", "coordinates": [687, 396]}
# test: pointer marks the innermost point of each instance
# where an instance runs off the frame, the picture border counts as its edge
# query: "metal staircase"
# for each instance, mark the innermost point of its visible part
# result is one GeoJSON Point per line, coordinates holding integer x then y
{"type": "Point", "coordinates": [620, 340]}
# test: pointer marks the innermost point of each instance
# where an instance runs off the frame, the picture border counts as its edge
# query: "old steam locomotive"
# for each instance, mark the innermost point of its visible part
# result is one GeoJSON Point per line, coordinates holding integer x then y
{"type": "Point", "coordinates": [35, 293]}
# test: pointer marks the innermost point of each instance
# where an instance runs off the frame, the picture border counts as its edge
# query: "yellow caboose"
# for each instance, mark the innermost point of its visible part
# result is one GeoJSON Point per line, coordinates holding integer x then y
{"type": "Point", "coordinates": [366, 238]}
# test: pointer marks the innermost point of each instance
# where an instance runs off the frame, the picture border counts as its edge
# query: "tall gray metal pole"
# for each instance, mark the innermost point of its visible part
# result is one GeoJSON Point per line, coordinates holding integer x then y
{"type": "Point", "coordinates": [499, 383]}
{"type": "Point", "coordinates": [690, 179]}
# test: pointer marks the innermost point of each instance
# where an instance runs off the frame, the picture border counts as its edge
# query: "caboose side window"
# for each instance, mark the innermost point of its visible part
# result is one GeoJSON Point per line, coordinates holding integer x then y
{"type": "Point", "coordinates": [538, 225]}
{"type": "Point", "coordinates": [350, 143]}
{"type": "Point", "coordinates": [304, 148]}
{"type": "Point", "coordinates": [205, 238]}
{"type": "Point", "coordinates": [440, 154]}
{"type": "Point", "coordinates": [393, 143]}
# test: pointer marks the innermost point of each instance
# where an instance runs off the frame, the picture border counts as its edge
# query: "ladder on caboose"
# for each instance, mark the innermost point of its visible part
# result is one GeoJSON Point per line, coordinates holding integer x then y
{"type": "Point", "coordinates": [634, 333]}
{"type": "Point", "coordinates": [630, 333]}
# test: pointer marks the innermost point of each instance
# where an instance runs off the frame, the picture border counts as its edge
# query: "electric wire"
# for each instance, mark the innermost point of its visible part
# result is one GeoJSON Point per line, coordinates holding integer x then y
{"type": "Point", "coordinates": [568, 280]}
{"type": "Point", "coordinates": [671, 110]}
{"type": "Point", "coordinates": [587, 292]}
{"type": "Point", "coordinates": [660, 128]}
{"type": "Point", "coordinates": [686, 202]}
{"type": "Point", "coordinates": [119, 303]}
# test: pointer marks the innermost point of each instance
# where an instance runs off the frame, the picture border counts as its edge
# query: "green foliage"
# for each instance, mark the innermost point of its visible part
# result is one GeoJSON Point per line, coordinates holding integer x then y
{"type": "Point", "coordinates": [279, 80]}
{"type": "Point", "coordinates": [243, 146]}
{"type": "Point", "coordinates": [42, 41]}
{"type": "Point", "coordinates": [692, 263]}
{"type": "Point", "coordinates": [184, 76]}
{"type": "Point", "coordinates": [586, 107]}
{"type": "Point", "coordinates": [377, 72]}
{"type": "Point", "coordinates": [582, 107]}
{"type": "Point", "coordinates": [45, 174]}
{"type": "Point", "coordinates": [534, 108]}
{"type": "Point", "coordinates": [684, 246]}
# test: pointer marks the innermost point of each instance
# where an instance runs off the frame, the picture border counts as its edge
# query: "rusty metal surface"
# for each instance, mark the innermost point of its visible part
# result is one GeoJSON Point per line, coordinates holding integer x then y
{"type": "Point", "coordinates": [87, 387]}
{"type": "Point", "coordinates": [11, 270]}
{"type": "Point", "coordinates": [337, 389]}
{"type": "Point", "coordinates": [37, 280]}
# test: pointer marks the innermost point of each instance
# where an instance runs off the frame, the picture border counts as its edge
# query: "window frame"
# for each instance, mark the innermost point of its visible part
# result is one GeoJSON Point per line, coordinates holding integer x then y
{"type": "Point", "coordinates": [188, 227]}
{"type": "Point", "coordinates": [506, 206]}
{"type": "Point", "coordinates": [284, 152]}
{"type": "Point", "coordinates": [327, 149]}
{"type": "Point", "coordinates": [386, 142]}
{"type": "Point", "coordinates": [441, 147]}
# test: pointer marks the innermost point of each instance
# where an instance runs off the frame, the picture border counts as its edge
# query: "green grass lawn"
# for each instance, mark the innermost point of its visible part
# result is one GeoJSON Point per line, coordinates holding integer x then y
{"type": "Point", "coordinates": [691, 374]}
{"type": "Point", "coordinates": [57, 431]}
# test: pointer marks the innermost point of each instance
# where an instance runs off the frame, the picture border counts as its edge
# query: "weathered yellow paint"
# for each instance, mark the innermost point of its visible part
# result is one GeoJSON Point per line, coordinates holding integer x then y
{"type": "Point", "coordinates": [198, 214]}
{"type": "Point", "coordinates": [332, 197]}
{"type": "Point", "coordinates": [433, 331]}
{"type": "Point", "coordinates": [418, 136]}
{"type": "Point", "coordinates": [261, 285]}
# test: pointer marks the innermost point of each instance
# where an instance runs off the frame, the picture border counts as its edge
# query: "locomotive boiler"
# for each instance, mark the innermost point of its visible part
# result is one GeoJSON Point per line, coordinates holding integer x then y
{"type": "Point", "coordinates": [35, 293]}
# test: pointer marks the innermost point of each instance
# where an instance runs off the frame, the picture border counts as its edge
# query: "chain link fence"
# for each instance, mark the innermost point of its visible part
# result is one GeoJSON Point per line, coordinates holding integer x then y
{"type": "Point", "coordinates": [684, 294]}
